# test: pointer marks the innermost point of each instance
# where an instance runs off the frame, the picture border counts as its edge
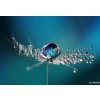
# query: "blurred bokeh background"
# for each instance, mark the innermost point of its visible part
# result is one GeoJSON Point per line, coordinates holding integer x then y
{"type": "Point", "coordinates": [69, 32]}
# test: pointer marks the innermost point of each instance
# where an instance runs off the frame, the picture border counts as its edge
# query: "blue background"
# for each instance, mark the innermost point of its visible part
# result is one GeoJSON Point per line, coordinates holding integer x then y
{"type": "Point", "coordinates": [69, 32]}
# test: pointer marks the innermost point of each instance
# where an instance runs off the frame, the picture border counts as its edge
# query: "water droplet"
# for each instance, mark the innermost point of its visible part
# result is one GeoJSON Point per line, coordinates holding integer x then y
{"type": "Point", "coordinates": [74, 70]}
{"type": "Point", "coordinates": [28, 68]}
